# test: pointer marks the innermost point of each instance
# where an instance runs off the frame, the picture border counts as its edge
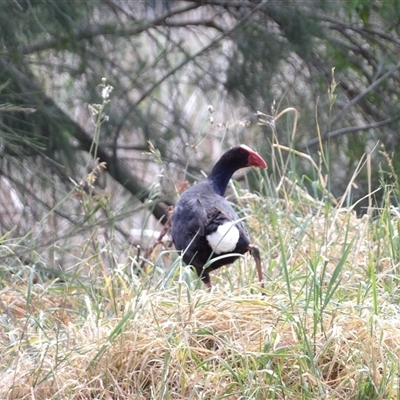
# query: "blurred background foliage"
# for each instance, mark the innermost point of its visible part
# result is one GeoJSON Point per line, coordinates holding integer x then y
{"type": "Point", "coordinates": [188, 78]}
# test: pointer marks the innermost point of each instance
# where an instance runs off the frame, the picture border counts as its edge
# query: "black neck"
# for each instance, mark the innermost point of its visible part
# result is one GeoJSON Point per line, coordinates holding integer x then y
{"type": "Point", "coordinates": [220, 176]}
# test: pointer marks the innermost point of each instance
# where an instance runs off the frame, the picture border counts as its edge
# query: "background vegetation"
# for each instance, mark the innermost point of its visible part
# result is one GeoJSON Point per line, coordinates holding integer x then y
{"type": "Point", "coordinates": [107, 107]}
{"type": "Point", "coordinates": [167, 62]}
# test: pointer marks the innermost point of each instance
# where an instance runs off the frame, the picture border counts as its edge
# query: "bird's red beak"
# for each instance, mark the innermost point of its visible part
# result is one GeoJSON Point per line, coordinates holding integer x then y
{"type": "Point", "coordinates": [256, 161]}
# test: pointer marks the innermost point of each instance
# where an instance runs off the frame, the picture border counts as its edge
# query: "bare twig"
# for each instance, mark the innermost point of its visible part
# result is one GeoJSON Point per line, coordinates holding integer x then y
{"type": "Point", "coordinates": [350, 129]}
{"type": "Point", "coordinates": [363, 94]}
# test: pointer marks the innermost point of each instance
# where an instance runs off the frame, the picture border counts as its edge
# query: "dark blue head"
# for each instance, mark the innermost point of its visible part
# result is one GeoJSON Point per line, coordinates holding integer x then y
{"type": "Point", "coordinates": [235, 158]}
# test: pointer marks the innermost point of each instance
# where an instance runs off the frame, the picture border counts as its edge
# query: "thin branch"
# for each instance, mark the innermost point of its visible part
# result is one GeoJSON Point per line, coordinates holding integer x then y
{"type": "Point", "coordinates": [357, 48]}
{"type": "Point", "coordinates": [210, 23]}
{"type": "Point", "coordinates": [89, 33]}
{"type": "Point", "coordinates": [226, 3]}
{"type": "Point", "coordinates": [356, 99]}
{"type": "Point", "coordinates": [350, 129]}
{"type": "Point", "coordinates": [368, 33]}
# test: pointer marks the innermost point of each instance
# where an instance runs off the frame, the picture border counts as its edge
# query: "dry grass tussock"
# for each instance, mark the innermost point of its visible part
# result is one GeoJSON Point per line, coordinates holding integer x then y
{"type": "Point", "coordinates": [327, 324]}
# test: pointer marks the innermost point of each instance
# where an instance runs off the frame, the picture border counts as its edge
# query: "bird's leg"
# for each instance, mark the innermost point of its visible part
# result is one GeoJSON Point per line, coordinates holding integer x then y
{"type": "Point", "coordinates": [164, 231]}
{"type": "Point", "coordinates": [205, 277]}
{"type": "Point", "coordinates": [255, 252]}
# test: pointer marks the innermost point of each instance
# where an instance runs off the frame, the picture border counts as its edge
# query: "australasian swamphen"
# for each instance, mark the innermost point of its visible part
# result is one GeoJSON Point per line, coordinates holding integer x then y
{"type": "Point", "coordinates": [204, 224]}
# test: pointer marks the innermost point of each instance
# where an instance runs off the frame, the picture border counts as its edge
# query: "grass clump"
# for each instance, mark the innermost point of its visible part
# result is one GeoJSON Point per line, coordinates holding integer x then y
{"type": "Point", "coordinates": [326, 325]}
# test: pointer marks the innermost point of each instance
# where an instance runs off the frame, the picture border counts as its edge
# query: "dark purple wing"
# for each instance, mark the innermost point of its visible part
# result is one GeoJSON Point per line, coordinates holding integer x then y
{"type": "Point", "coordinates": [197, 214]}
